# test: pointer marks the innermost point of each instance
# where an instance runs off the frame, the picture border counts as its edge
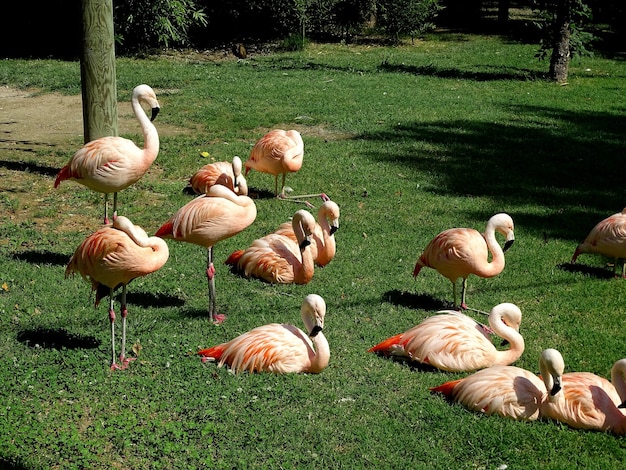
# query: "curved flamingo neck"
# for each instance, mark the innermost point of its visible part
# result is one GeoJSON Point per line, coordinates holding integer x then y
{"type": "Point", "coordinates": [618, 378]}
{"type": "Point", "coordinates": [504, 331]}
{"type": "Point", "coordinates": [495, 267]}
{"type": "Point", "coordinates": [322, 354]}
{"type": "Point", "coordinates": [150, 134]}
{"type": "Point", "coordinates": [303, 273]}
{"type": "Point", "coordinates": [141, 239]}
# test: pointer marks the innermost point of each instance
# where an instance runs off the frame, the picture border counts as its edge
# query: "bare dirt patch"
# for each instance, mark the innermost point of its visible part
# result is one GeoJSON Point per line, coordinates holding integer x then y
{"type": "Point", "coordinates": [32, 122]}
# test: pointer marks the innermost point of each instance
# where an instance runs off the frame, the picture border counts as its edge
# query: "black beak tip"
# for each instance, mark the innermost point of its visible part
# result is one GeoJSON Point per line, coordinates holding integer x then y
{"type": "Point", "coordinates": [316, 329]}
{"type": "Point", "coordinates": [507, 245]}
{"type": "Point", "coordinates": [304, 244]}
{"type": "Point", "coordinates": [333, 229]}
{"type": "Point", "coordinates": [155, 112]}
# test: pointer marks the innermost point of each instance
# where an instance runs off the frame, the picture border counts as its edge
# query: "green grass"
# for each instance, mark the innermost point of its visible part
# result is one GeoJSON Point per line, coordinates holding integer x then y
{"type": "Point", "coordinates": [408, 141]}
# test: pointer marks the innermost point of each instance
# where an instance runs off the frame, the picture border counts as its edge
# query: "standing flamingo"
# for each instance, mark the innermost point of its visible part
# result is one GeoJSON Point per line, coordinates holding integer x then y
{"type": "Point", "coordinates": [454, 342]}
{"type": "Point", "coordinates": [225, 173]}
{"type": "Point", "coordinates": [459, 252]}
{"type": "Point", "coordinates": [607, 238]}
{"type": "Point", "coordinates": [114, 256]}
{"type": "Point", "coordinates": [278, 259]}
{"type": "Point", "coordinates": [588, 401]}
{"type": "Point", "coordinates": [111, 164]}
{"type": "Point", "coordinates": [323, 245]}
{"type": "Point", "coordinates": [507, 391]}
{"type": "Point", "coordinates": [279, 348]}
{"type": "Point", "coordinates": [277, 152]}
{"type": "Point", "coordinates": [205, 221]}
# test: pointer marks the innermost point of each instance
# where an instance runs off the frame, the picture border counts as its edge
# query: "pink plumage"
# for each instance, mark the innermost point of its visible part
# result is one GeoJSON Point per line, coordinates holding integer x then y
{"type": "Point", "coordinates": [278, 348]}
{"type": "Point", "coordinates": [111, 164]}
{"type": "Point", "coordinates": [278, 152]}
{"type": "Point", "coordinates": [225, 173]}
{"type": "Point", "coordinates": [323, 246]}
{"type": "Point", "coordinates": [113, 256]}
{"type": "Point", "coordinates": [454, 342]}
{"type": "Point", "coordinates": [507, 391]}
{"type": "Point", "coordinates": [607, 238]}
{"type": "Point", "coordinates": [207, 220]}
{"type": "Point", "coordinates": [277, 258]}
{"type": "Point", "coordinates": [458, 252]}
{"type": "Point", "coordinates": [588, 401]}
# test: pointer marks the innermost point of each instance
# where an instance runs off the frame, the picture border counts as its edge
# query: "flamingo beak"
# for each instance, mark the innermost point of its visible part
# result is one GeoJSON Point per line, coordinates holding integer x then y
{"type": "Point", "coordinates": [155, 111]}
{"type": "Point", "coordinates": [623, 405]}
{"type": "Point", "coordinates": [316, 329]}
{"type": "Point", "coordinates": [333, 229]}
{"type": "Point", "coordinates": [305, 243]}
{"type": "Point", "coordinates": [508, 244]}
{"type": "Point", "coordinates": [556, 388]}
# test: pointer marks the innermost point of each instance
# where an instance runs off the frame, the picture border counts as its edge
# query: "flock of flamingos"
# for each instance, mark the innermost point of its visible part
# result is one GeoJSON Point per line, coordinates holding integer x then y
{"type": "Point", "coordinates": [121, 251]}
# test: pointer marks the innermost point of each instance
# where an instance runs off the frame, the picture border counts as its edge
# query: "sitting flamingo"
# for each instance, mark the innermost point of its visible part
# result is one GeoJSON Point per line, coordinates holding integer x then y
{"type": "Point", "coordinates": [279, 348]}
{"type": "Point", "coordinates": [455, 342]}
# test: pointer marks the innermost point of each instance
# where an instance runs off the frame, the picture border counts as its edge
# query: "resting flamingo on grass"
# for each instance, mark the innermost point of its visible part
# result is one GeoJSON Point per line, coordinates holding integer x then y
{"type": "Point", "coordinates": [112, 257]}
{"type": "Point", "coordinates": [279, 348]}
{"type": "Point", "coordinates": [458, 252]}
{"type": "Point", "coordinates": [278, 259]}
{"type": "Point", "coordinates": [225, 173]}
{"type": "Point", "coordinates": [507, 391]}
{"type": "Point", "coordinates": [323, 246]}
{"type": "Point", "coordinates": [207, 220]}
{"type": "Point", "coordinates": [278, 152]}
{"type": "Point", "coordinates": [111, 164]}
{"type": "Point", "coordinates": [454, 342]}
{"type": "Point", "coordinates": [607, 238]}
{"type": "Point", "coordinates": [588, 401]}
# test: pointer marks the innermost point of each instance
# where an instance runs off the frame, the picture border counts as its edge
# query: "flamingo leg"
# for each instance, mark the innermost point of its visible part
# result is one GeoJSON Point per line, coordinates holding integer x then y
{"type": "Point", "coordinates": [124, 361]}
{"type": "Point", "coordinates": [463, 289]}
{"type": "Point", "coordinates": [114, 205]}
{"type": "Point", "coordinates": [114, 365]}
{"type": "Point", "coordinates": [454, 294]}
{"type": "Point", "coordinates": [106, 209]}
{"type": "Point", "coordinates": [210, 273]}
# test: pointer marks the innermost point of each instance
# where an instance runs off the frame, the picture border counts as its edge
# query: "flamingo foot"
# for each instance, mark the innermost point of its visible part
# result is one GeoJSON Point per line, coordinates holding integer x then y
{"type": "Point", "coordinates": [218, 318]}
{"type": "Point", "coordinates": [125, 361]}
{"type": "Point", "coordinates": [464, 306]}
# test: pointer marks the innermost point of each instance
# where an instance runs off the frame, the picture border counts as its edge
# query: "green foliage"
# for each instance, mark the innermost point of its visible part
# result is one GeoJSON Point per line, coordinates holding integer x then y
{"type": "Point", "coordinates": [141, 25]}
{"type": "Point", "coordinates": [408, 140]}
{"type": "Point", "coordinates": [407, 17]}
{"type": "Point", "coordinates": [581, 39]}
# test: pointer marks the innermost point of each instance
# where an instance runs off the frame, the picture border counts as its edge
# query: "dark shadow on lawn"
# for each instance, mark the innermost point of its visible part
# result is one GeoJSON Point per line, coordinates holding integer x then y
{"type": "Point", "coordinates": [483, 74]}
{"type": "Point", "coordinates": [148, 299]}
{"type": "Point", "coordinates": [599, 273]}
{"type": "Point", "coordinates": [413, 365]}
{"type": "Point", "coordinates": [416, 301]}
{"type": "Point", "coordinates": [546, 157]}
{"type": "Point", "coordinates": [42, 257]}
{"type": "Point", "coordinates": [58, 338]}
{"type": "Point", "coordinates": [10, 465]}
{"type": "Point", "coordinates": [29, 167]}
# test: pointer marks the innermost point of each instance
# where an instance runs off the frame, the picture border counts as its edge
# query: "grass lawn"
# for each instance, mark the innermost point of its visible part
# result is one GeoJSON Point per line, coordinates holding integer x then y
{"type": "Point", "coordinates": [409, 141]}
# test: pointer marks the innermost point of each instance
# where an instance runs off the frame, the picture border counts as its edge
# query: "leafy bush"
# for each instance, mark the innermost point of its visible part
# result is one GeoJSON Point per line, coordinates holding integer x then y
{"type": "Point", "coordinates": [412, 17]}
{"type": "Point", "coordinates": [141, 24]}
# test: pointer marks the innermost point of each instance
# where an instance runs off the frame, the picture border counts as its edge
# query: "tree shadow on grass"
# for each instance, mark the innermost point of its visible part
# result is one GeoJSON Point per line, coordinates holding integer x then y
{"type": "Point", "coordinates": [412, 365]}
{"type": "Point", "coordinates": [149, 299]}
{"type": "Point", "coordinates": [57, 338]}
{"type": "Point", "coordinates": [10, 465]}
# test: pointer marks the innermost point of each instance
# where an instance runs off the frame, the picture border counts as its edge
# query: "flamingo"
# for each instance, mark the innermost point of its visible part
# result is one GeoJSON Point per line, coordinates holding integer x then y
{"type": "Point", "coordinates": [278, 259]}
{"type": "Point", "coordinates": [113, 256]}
{"type": "Point", "coordinates": [607, 238]}
{"type": "Point", "coordinates": [588, 401]}
{"type": "Point", "coordinates": [454, 342]}
{"type": "Point", "coordinates": [507, 391]}
{"type": "Point", "coordinates": [459, 252]}
{"type": "Point", "coordinates": [278, 348]}
{"type": "Point", "coordinates": [225, 173]}
{"type": "Point", "coordinates": [277, 152]}
{"type": "Point", "coordinates": [111, 164]}
{"type": "Point", "coordinates": [205, 221]}
{"type": "Point", "coordinates": [323, 245]}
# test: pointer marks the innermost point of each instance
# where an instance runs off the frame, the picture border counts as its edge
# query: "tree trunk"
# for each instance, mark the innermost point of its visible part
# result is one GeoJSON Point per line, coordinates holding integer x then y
{"type": "Point", "coordinates": [559, 62]}
{"type": "Point", "coordinates": [503, 12]}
